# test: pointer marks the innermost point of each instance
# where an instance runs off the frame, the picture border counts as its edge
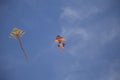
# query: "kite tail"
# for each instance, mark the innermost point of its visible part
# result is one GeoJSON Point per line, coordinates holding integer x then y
{"type": "Point", "coordinates": [61, 50]}
{"type": "Point", "coordinates": [25, 55]}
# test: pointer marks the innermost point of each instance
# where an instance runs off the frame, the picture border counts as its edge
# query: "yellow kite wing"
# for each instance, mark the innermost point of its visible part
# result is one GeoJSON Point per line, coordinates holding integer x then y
{"type": "Point", "coordinates": [17, 31]}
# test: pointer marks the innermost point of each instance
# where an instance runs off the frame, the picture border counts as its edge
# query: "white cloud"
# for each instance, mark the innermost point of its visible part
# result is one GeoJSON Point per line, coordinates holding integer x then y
{"type": "Point", "coordinates": [80, 32]}
{"type": "Point", "coordinates": [91, 34]}
{"type": "Point", "coordinates": [85, 43]}
{"type": "Point", "coordinates": [71, 14]}
{"type": "Point", "coordinates": [82, 38]}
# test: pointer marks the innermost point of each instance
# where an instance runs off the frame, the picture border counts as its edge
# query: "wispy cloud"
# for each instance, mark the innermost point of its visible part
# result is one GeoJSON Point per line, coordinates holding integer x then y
{"type": "Point", "coordinates": [99, 32]}
{"type": "Point", "coordinates": [85, 41]}
{"type": "Point", "coordinates": [72, 14]}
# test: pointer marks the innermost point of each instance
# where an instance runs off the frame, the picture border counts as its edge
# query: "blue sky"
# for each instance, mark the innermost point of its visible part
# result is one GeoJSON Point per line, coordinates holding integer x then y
{"type": "Point", "coordinates": [92, 30]}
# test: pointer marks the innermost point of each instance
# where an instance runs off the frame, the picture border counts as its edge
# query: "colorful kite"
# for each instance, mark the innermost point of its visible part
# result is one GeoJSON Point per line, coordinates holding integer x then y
{"type": "Point", "coordinates": [17, 33]}
{"type": "Point", "coordinates": [60, 41]}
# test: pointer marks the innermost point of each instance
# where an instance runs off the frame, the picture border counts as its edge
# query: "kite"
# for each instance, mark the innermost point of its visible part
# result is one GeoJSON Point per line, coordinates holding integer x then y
{"type": "Point", "coordinates": [17, 33]}
{"type": "Point", "coordinates": [60, 41]}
